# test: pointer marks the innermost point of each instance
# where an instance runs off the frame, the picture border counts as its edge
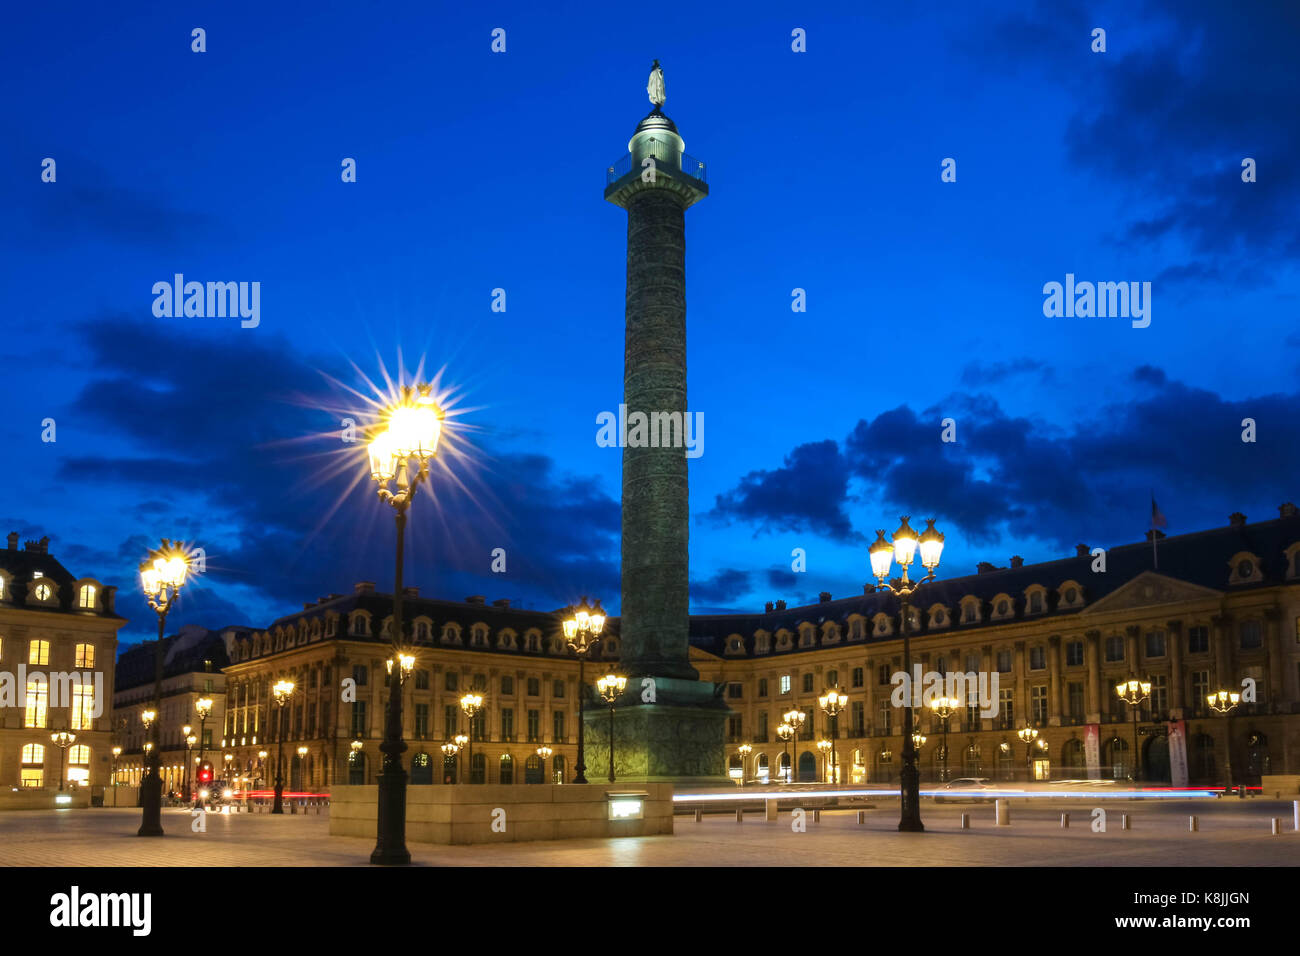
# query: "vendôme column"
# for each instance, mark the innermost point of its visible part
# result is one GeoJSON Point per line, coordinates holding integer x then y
{"type": "Point", "coordinates": [668, 726]}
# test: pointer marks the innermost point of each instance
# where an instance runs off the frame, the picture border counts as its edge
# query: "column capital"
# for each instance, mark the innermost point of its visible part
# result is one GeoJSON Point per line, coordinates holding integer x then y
{"type": "Point", "coordinates": [1174, 627]}
{"type": "Point", "coordinates": [1094, 635]}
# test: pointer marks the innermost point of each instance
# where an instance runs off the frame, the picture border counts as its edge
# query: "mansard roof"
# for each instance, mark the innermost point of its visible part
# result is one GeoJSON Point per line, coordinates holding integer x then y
{"type": "Point", "coordinates": [1199, 558]}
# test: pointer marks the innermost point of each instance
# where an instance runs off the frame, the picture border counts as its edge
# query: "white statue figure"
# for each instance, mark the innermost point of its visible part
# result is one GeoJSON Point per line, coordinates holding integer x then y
{"type": "Point", "coordinates": [656, 86]}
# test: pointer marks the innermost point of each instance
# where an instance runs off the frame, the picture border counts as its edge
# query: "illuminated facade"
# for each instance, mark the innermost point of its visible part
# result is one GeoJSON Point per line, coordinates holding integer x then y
{"type": "Point", "coordinates": [1222, 607]}
{"type": "Point", "coordinates": [53, 625]}
{"type": "Point", "coordinates": [335, 653]}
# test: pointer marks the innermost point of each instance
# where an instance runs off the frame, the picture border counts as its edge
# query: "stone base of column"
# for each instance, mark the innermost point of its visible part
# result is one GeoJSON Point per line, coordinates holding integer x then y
{"type": "Point", "coordinates": [679, 738]}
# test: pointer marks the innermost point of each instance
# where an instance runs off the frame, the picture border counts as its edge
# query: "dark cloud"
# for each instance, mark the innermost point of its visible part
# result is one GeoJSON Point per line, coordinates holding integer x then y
{"type": "Point", "coordinates": [1186, 90]}
{"type": "Point", "coordinates": [806, 494]}
{"type": "Point", "coordinates": [1019, 477]}
{"type": "Point", "coordinates": [724, 586]}
{"type": "Point", "coordinates": [975, 374]}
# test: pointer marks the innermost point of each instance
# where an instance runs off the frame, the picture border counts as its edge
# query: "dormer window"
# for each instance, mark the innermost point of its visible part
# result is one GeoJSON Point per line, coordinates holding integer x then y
{"type": "Point", "coordinates": [806, 636]}
{"type": "Point", "coordinates": [1002, 607]}
{"type": "Point", "coordinates": [970, 610]}
{"type": "Point", "coordinates": [43, 592]}
{"type": "Point", "coordinates": [762, 642]}
{"type": "Point", "coordinates": [735, 645]}
{"type": "Point", "coordinates": [86, 597]}
{"type": "Point", "coordinates": [360, 626]}
{"type": "Point", "coordinates": [478, 637]}
{"type": "Point", "coordinates": [782, 640]}
{"type": "Point", "coordinates": [1245, 568]}
{"type": "Point", "coordinates": [1036, 602]}
{"type": "Point", "coordinates": [855, 629]}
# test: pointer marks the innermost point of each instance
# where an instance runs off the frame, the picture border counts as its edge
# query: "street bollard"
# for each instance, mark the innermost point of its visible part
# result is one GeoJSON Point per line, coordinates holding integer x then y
{"type": "Point", "coordinates": [740, 815]}
{"type": "Point", "coordinates": [1003, 813]}
{"type": "Point", "coordinates": [1193, 824]}
{"type": "Point", "coordinates": [1065, 821]}
{"type": "Point", "coordinates": [293, 807]}
{"type": "Point", "coordinates": [1277, 826]}
{"type": "Point", "coordinates": [770, 806]}
{"type": "Point", "coordinates": [862, 816]}
{"type": "Point", "coordinates": [699, 815]}
{"type": "Point", "coordinates": [817, 816]}
{"type": "Point", "coordinates": [965, 821]}
{"type": "Point", "coordinates": [1124, 822]}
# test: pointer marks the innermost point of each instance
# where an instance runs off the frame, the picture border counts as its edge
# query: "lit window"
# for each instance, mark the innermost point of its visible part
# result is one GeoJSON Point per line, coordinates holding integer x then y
{"type": "Point", "coordinates": [38, 696]}
{"type": "Point", "coordinates": [33, 773]}
{"type": "Point", "coordinates": [785, 683]}
{"type": "Point", "coordinates": [86, 597]}
{"type": "Point", "coordinates": [85, 655]}
{"type": "Point", "coordinates": [83, 706]}
{"type": "Point", "coordinates": [34, 753]}
{"type": "Point", "coordinates": [43, 592]}
{"type": "Point", "coordinates": [39, 653]}
{"type": "Point", "coordinates": [2, 588]}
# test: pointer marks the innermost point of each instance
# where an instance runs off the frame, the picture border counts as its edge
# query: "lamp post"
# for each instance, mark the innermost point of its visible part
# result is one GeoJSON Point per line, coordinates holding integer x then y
{"type": "Point", "coordinates": [461, 741]}
{"type": "Point", "coordinates": [147, 717]}
{"type": "Point", "coordinates": [261, 768]}
{"type": "Point", "coordinates": [582, 631]}
{"type": "Point", "coordinates": [1133, 692]}
{"type": "Point", "coordinates": [225, 768]}
{"type": "Point", "coordinates": [470, 704]}
{"type": "Point", "coordinates": [544, 754]}
{"type": "Point", "coordinates": [745, 750]}
{"type": "Point", "coordinates": [883, 553]}
{"type": "Point", "coordinates": [117, 752]}
{"type": "Point", "coordinates": [785, 732]}
{"type": "Point", "coordinates": [832, 702]}
{"type": "Point", "coordinates": [190, 741]}
{"type": "Point", "coordinates": [202, 707]}
{"type": "Point", "coordinates": [1027, 736]}
{"type": "Point", "coordinates": [400, 453]}
{"type": "Point", "coordinates": [824, 747]}
{"type": "Point", "coordinates": [448, 749]}
{"type": "Point", "coordinates": [302, 769]}
{"type": "Point", "coordinates": [918, 741]}
{"type": "Point", "coordinates": [63, 740]}
{"type": "Point", "coordinates": [943, 708]}
{"type": "Point", "coordinates": [162, 575]}
{"type": "Point", "coordinates": [1224, 703]}
{"type": "Point", "coordinates": [795, 718]}
{"type": "Point", "coordinates": [282, 691]}
{"type": "Point", "coordinates": [610, 687]}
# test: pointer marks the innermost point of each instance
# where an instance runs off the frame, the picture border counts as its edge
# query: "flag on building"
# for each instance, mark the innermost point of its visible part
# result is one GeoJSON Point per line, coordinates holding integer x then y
{"type": "Point", "coordinates": [1157, 518]}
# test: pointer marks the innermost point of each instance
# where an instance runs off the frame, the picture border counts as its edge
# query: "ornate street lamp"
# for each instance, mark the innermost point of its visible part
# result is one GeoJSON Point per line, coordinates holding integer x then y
{"type": "Point", "coordinates": [745, 750]}
{"type": "Point", "coordinates": [162, 575]}
{"type": "Point", "coordinates": [1224, 703]}
{"type": "Point", "coordinates": [261, 767]}
{"type": "Point", "coordinates": [832, 702]}
{"type": "Point", "coordinates": [918, 741]}
{"type": "Point", "coordinates": [448, 749]}
{"type": "Point", "coordinates": [903, 550]}
{"type": "Point", "coordinates": [544, 753]}
{"type": "Point", "coordinates": [795, 718]}
{"type": "Point", "coordinates": [282, 691]}
{"type": "Point", "coordinates": [824, 746]}
{"type": "Point", "coordinates": [190, 741]}
{"type": "Point", "coordinates": [63, 740]}
{"type": "Point", "coordinates": [202, 707]}
{"type": "Point", "coordinates": [943, 708]}
{"type": "Point", "coordinates": [582, 630]}
{"type": "Point", "coordinates": [610, 687]}
{"type": "Point", "coordinates": [1133, 692]}
{"type": "Point", "coordinates": [470, 704]}
{"type": "Point", "coordinates": [1027, 736]}
{"type": "Point", "coordinates": [400, 453]}
{"type": "Point", "coordinates": [117, 752]}
{"type": "Point", "coordinates": [302, 769]}
{"type": "Point", "coordinates": [785, 732]}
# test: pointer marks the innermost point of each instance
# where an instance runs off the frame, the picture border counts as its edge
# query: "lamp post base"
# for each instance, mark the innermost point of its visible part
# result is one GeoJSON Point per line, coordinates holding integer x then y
{"type": "Point", "coordinates": [390, 842]}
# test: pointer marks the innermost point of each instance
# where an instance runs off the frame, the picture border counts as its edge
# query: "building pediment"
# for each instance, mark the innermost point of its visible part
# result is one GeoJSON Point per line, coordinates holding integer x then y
{"type": "Point", "coordinates": [1150, 589]}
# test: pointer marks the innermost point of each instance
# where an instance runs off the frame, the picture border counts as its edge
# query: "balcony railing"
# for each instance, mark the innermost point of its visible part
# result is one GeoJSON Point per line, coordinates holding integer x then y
{"type": "Point", "coordinates": [691, 166]}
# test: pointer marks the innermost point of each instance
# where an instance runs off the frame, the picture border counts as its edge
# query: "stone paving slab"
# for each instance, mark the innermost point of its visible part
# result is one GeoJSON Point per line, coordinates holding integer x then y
{"type": "Point", "coordinates": [1231, 834]}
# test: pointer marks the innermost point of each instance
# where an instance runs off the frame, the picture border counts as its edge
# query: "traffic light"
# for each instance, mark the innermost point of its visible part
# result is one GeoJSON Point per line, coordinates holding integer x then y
{"type": "Point", "coordinates": [205, 773]}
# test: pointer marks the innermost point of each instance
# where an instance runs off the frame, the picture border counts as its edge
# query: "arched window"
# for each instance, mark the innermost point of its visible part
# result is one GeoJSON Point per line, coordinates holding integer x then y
{"type": "Point", "coordinates": [1116, 758]}
{"type": "Point", "coordinates": [356, 768]}
{"type": "Point", "coordinates": [557, 768]}
{"type": "Point", "coordinates": [783, 768]}
{"type": "Point", "coordinates": [1072, 757]}
{"type": "Point", "coordinates": [478, 769]}
{"type": "Point", "coordinates": [533, 769]}
{"type": "Point", "coordinates": [762, 769]}
{"type": "Point", "coordinates": [507, 772]}
{"type": "Point", "coordinates": [86, 597]}
{"type": "Point", "coordinates": [970, 761]}
{"type": "Point", "coordinates": [449, 768]}
{"type": "Point", "coordinates": [1258, 759]}
{"type": "Point", "coordinates": [79, 765]}
{"type": "Point", "coordinates": [421, 770]}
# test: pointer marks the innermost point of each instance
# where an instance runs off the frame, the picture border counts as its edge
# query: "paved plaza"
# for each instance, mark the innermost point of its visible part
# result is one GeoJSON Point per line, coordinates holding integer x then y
{"type": "Point", "coordinates": [1232, 834]}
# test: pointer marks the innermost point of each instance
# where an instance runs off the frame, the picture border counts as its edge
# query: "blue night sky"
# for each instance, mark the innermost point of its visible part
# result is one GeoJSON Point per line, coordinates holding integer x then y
{"type": "Point", "coordinates": [478, 170]}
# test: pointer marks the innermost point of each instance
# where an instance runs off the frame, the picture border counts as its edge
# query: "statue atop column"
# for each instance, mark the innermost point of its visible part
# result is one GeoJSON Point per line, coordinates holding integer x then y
{"type": "Point", "coordinates": [655, 88]}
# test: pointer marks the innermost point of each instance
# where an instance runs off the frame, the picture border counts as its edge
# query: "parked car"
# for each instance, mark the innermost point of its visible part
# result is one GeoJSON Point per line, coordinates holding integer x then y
{"type": "Point", "coordinates": [965, 787]}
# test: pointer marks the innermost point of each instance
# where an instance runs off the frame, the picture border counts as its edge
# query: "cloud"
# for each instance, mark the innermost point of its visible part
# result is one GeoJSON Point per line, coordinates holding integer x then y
{"type": "Point", "coordinates": [1185, 92]}
{"type": "Point", "coordinates": [806, 494]}
{"type": "Point", "coordinates": [975, 374]}
{"type": "Point", "coordinates": [724, 586]}
{"type": "Point", "coordinates": [1015, 476]}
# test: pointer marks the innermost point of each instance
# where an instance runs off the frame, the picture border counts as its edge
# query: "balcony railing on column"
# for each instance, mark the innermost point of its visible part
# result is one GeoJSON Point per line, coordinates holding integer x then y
{"type": "Point", "coordinates": [662, 153]}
